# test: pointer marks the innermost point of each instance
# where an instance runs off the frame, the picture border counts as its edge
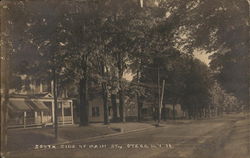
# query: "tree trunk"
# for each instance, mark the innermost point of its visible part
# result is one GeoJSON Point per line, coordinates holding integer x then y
{"type": "Point", "coordinates": [174, 104]}
{"type": "Point", "coordinates": [174, 111]}
{"type": "Point", "coordinates": [193, 112]}
{"type": "Point", "coordinates": [164, 112]}
{"type": "Point", "coordinates": [105, 96]}
{"type": "Point", "coordinates": [55, 92]}
{"type": "Point", "coordinates": [139, 99]}
{"type": "Point", "coordinates": [189, 114]}
{"type": "Point", "coordinates": [139, 104]}
{"type": "Point", "coordinates": [114, 107]}
{"type": "Point", "coordinates": [120, 92]}
{"type": "Point", "coordinates": [105, 103]}
{"type": "Point", "coordinates": [83, 87]}
{"type": "Point", "coordinates": [209, 111]}
{"type": "Point", "coordinates": [201, 112]}
{"type": "Point", "coordinates": [84, 110]}
{"type": "Point", "coordinates": [121, 105]}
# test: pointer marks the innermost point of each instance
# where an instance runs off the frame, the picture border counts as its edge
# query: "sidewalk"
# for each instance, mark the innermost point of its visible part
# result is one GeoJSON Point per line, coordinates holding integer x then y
{"type": "Point", "coordinates": [127, 126]}
{"type": "Point", "coordinates": [25, 139]}
{"type": "Point", "coordinates": [171, 122]}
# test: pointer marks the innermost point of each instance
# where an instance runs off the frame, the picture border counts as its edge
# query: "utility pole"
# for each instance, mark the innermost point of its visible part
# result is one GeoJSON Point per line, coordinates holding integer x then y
{"type": "Point", "coordinates": [160, 104]}
{"type": "Point", "coordinates": [160, 94]}
{"type": "Point", "coordinates": [141, 3]}
{"type": "Point", "coordinates": [4, 79]}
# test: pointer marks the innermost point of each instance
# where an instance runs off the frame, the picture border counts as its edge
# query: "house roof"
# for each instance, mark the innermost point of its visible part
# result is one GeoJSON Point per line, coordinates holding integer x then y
{"type": "Point", "coordinates": [36, 96]}
{"type": "Point", "coordinates": [40, 95]}
{"type": "Point", "coordinates": [19, 105]}
{"type": "Point", "coordinates": [38, 105]}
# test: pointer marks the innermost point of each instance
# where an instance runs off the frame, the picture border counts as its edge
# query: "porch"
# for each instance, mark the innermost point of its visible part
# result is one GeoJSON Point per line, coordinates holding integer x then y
{"type": "Point", "coordinates": [25, 112]}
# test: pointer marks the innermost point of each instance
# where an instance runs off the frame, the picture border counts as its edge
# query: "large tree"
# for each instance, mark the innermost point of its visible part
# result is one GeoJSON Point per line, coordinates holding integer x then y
{"type": "Point", "coordinates": [197, 96]}
{"type": "Point", "coordinates": [38, 47]}
{"type": "Point", "coordinates": [219, 27]}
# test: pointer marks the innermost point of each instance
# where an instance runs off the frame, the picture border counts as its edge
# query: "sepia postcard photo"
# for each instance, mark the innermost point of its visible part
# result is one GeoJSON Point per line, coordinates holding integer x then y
{"type": "Point", "coordinates": [125, 78]}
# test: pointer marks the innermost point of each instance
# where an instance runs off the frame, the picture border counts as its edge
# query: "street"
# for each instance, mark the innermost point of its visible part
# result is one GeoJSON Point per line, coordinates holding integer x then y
{"type": "Point", "coordinates": [226, 137]}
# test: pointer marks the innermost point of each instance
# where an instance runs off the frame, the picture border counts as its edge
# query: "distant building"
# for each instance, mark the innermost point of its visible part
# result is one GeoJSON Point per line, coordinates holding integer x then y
{"type": "Point", "coordinates": [168, 111]}
{"type": "Point", "coordinates": [96, 109]}
{"type": "Point", "coordinates": [150, 111]}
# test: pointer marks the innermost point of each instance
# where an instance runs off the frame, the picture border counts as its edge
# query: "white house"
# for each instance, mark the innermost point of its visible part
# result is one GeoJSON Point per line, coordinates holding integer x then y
{"type": "Point", "coordinates": [36, 107]}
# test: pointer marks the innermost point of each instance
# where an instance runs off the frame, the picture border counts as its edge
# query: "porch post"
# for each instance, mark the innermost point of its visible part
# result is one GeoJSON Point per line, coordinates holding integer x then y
{"type": "Point", "coordinates": [72, 116]}
{"type": "Point", "coordinates": [53, 112]}
{"type": "Point", "coordinates": [36, 119]}
{"type": "Point", "coordinates": [41, 88]}
{"type": "Point", "coordinates": [24, 119]}
{"type": "Point", "coordinates": [41, 117]}
{"type": "Point", "coordinates": [62, 113]}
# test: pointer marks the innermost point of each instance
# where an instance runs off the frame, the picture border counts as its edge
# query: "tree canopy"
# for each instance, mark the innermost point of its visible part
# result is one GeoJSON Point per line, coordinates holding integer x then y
{"type": "Point", "coordinates": [96, 42]}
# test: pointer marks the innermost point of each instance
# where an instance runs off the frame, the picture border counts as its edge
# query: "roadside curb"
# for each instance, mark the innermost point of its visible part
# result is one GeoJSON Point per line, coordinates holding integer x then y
{"type": "Point", "coordinates": [86, 140]}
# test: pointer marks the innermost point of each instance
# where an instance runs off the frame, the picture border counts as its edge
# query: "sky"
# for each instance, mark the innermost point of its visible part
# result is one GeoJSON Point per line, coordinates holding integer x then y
{"type": "Point", "coordinates": [198, 54]}
{"type": "Point", "coordinates": [202, 56]}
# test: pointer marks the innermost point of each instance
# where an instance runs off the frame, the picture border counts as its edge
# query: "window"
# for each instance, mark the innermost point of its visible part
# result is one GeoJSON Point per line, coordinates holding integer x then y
{"type": "Point", "coordinates": [30, 114]}
{"type": "Point", "coordinates": [144, 111]}
{"type": "Point", "coordinates": [46, 86]}
{"type": "Point", "coordinates": [95, 111]}
{"type": "Point", "coordinates": [49, 112]}
{"type": "Point", "coordinates": [59, 104]}
{"type": "Point", "coordinates": [67, 111]}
